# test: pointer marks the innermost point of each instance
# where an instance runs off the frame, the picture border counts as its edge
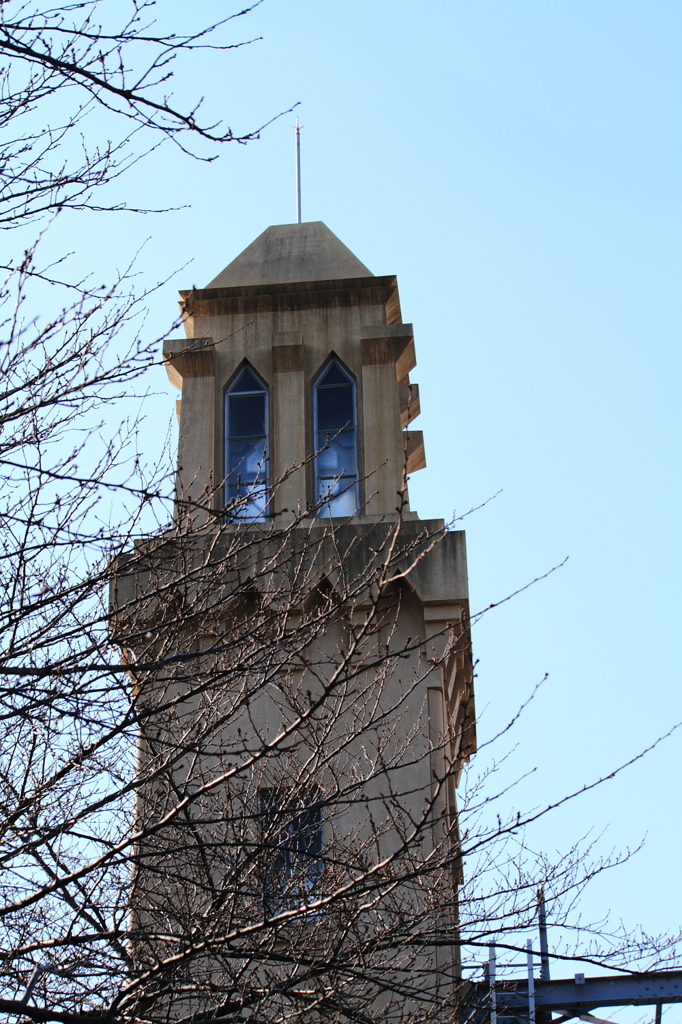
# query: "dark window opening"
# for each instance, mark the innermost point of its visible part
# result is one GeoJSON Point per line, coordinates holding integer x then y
{"type": "Point", "coordinates": [246, 446]}
{"type": "Point", "coordinates": [336, 462]}
{"type": "Point", "coordinates": [291, 838]}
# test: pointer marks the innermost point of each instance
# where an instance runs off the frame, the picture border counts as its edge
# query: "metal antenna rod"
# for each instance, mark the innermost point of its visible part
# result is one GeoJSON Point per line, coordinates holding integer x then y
{"type": "Point", "coordinates": [542, 925]}
{"type": "Point", "coordinates": [492, 959]}
{"type": "Point", "coordinates": [531, 982]}
{"type": "Point", "coordinates": [297, 130]}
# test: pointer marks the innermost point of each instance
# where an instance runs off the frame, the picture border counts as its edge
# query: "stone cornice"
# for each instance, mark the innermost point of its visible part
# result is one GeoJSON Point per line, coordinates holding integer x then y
{"type": "Point", "coordinates": [360, 291]}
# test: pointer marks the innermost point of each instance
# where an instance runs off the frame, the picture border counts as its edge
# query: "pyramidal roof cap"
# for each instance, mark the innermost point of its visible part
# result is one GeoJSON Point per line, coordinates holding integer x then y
{"type": "Point", "coordinates": [286, 253]}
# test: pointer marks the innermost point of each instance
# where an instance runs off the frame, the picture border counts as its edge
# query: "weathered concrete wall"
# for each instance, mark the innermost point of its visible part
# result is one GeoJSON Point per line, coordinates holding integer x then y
{"type": "Point", "coordinates": [287, 333]}
{"type": "Point", "coordinates": [382, 740]}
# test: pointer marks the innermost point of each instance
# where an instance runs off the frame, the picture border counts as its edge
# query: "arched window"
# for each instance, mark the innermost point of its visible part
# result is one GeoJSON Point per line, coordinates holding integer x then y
{"type": "Point", "coordinates": [336, 462]}
{"type": "Point", "coordinates": [246, 444]}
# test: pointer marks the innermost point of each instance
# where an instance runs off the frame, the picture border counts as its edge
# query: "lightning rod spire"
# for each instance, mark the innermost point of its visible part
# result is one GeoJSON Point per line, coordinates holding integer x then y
{"type": "Point", "coordinates": [297, 130]}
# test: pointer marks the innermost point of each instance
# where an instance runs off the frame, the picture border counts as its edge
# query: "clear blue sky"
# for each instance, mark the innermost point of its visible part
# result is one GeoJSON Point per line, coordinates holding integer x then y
{"type": "Point", "coordinates": [517, 164]}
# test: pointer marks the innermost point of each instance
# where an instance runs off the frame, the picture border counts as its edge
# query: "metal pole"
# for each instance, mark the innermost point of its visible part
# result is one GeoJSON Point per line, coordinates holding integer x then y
{"type": "Point", "coordinates": [33, 981]}
{"type": "Point", "coordinates": [298, 171]}
{"type": "Point", "coordinates": [544, 949]}
{"type": "Point", "coordinates": [491, 981]}
{"type": "Point", "coordinates": [658, 1013]}
{"type": "Point", "coordinates": [531, 983]}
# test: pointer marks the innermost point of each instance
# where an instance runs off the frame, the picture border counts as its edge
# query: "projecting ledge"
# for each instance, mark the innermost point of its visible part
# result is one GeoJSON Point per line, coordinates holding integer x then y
{"type": "Point", "coordinates": [183, 360]}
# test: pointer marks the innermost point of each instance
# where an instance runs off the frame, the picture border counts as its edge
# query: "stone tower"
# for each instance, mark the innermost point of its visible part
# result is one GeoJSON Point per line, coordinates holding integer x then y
{"type": "Point", "coordinates": [293, 524]}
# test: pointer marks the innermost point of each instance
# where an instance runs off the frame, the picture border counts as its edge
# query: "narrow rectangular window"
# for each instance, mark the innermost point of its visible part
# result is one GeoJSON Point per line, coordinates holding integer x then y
{"type": "Point", "coordinates": [335, 440]}
{"type": "Point", "coordinates": [246, 446]}
{"type": "Point", "coordinates": [290, 833]}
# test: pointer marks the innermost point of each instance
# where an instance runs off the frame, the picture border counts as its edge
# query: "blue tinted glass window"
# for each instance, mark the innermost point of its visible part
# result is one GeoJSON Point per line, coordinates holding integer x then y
{"type": "Point", "coordinates": [246, 381]}
{"type": "Point", "coordinates": [335, 407]}
{"type": "Point", "coordinates": [335, 440]}
{"type": "Point", "coordinates": [247, 415]}
{"type": "Point", "coordinates": [246, 446]}
{"type": "Point", "coordinates": [334, 374]}
{"type": "Point", "coordinates": [291, 830]}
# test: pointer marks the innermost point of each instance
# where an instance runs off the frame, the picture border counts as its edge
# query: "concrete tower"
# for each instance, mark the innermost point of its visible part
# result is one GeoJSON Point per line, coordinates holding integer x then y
{"type": "Point", "coordinates": [295, 437]}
